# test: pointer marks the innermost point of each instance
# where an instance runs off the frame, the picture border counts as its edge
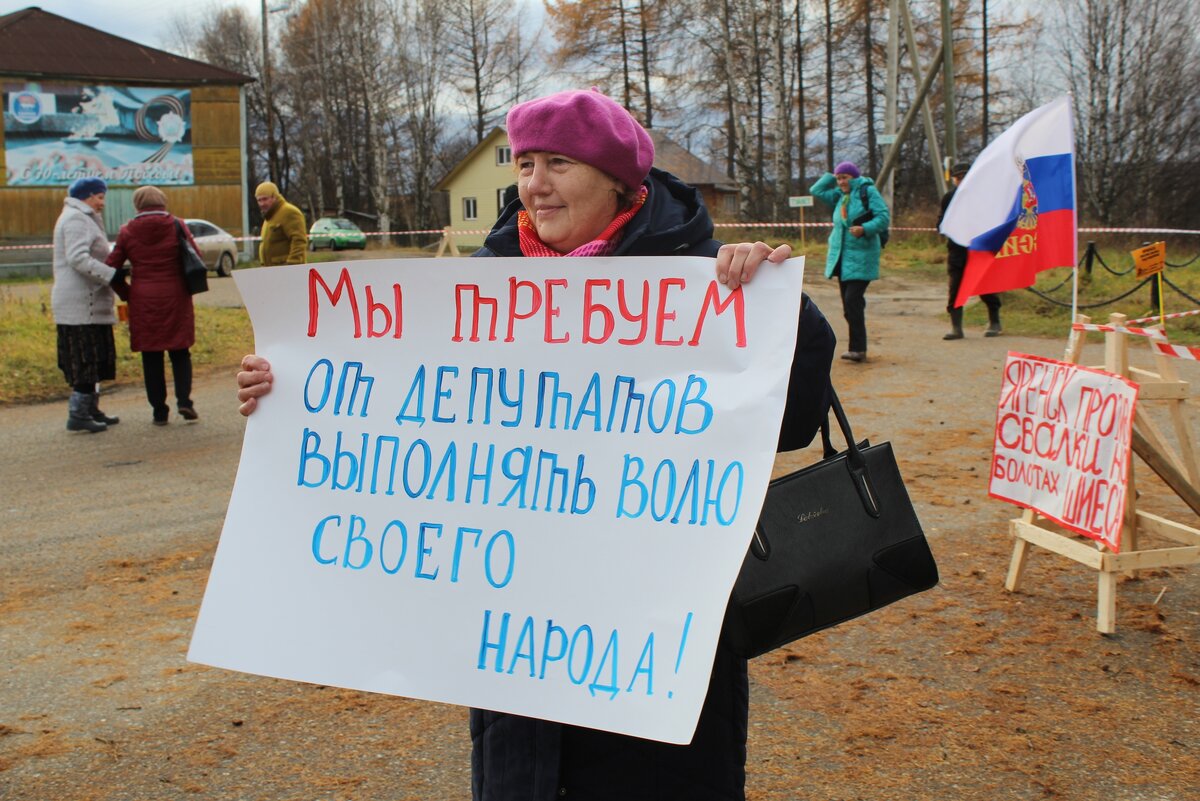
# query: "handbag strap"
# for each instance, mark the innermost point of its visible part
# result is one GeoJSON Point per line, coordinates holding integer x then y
{"type": "Point", "coordinates": [856, 463]}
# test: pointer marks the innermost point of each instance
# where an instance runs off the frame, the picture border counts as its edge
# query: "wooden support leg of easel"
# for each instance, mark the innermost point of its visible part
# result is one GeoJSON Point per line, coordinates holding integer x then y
{"type": "Point", "coordinates": [1165, 470]}
{"type": "Point", "coordinates": [1116, 347]}
{"type": "Point", "coordinates": [1155, 439]}
{"type": "Point", "coordinates": [1187, 452]}
{"type": "Point", "coordinates": [1129, 524]}
{"type": "Point", "coordinates": [1075, 341]}
{"type": "Point", "coordinates": [1016, 567]}
{"type": "Point", "coordinates": [447, 244]}
{"type": "Point", "coordinates": [1106, 603]}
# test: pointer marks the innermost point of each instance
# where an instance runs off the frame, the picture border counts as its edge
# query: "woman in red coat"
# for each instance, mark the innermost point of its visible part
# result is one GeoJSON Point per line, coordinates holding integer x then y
{"type": "Point", "coordinates": [160, 309]}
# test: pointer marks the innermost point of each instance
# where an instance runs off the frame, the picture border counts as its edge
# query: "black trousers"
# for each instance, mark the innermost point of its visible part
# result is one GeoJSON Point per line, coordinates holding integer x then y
{"type": "Point", "coordinates": [854, 309]}
{"type": "Point", "coordinates": [154, 374]}
{"type": "Point", "coordinates": [956, 276]}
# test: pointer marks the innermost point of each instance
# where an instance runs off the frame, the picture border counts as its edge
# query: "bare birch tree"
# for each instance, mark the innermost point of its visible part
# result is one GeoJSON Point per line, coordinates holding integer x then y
{"type": "Point", "coordinates": [1133, 67]}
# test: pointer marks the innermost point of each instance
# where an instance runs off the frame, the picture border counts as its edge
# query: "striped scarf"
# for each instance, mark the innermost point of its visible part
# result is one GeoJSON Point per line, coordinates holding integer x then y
{"type": "Point", "coordinates": [603, 245]}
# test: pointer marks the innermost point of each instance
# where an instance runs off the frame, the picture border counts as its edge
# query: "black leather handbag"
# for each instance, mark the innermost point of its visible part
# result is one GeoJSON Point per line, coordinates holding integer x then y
{"type": "Point", "coordinates": [834, 541]}
{"type": "Point", "coordinates": [195, 273]}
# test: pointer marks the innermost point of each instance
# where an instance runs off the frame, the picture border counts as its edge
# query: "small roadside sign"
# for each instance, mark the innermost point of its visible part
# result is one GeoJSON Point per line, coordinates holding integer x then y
{"type": "Point", "coordinates": [1151, 259]}
{"type": "Point", "coordinates": [886, 139]}
{"type": "Point", "coordinates": [800, 201]}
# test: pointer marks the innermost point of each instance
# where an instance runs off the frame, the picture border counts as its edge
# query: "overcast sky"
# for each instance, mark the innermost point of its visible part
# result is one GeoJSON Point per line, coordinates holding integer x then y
{"type": "Point", "coordinates": [144, 21]}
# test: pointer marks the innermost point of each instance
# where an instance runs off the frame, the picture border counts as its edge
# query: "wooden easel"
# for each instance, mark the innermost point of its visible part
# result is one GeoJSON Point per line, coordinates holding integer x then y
{"type": "Point", "coordinates": [1178, 471]}
{"type": "Point", "coordinates": [447, 243]}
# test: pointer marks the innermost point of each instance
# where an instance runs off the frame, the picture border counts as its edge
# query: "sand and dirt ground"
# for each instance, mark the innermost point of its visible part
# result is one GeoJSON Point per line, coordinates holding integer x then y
{"type": "Point", "coordinates": [965, 693]}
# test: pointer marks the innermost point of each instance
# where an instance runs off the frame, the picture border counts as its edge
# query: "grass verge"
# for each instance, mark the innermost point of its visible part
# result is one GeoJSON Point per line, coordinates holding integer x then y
{"type": "Point", "coordinates": [29, 361]}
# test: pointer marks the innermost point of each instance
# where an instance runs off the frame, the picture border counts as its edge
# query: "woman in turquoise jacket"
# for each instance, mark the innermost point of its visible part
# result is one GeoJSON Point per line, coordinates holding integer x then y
{"type": "Point", "coordinates": [854, 244]}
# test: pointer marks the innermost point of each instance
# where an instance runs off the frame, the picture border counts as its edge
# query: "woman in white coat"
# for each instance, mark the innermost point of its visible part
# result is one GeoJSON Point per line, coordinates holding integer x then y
{"type": "Point", "coordinates": [82, 300]}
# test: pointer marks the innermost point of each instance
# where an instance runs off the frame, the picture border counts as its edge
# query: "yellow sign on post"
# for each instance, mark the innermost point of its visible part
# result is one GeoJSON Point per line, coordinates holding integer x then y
{"type": "Point", "coordinates": [1151, 259]}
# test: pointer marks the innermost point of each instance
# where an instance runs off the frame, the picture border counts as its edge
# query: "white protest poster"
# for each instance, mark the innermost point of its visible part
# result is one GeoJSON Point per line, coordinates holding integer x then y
{"type": "Point", "coordinates": [524, 485]}
{"type": "Point", "coordinates": [1062, 445]}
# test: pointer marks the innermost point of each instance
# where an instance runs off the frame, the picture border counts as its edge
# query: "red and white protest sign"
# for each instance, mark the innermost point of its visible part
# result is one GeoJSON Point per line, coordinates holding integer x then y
{"type": "Point", "coordinates": [1062, 444]}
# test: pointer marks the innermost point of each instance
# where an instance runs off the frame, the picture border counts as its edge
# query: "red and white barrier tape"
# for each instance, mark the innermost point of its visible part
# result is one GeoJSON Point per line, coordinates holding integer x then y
{"type": "Point", "coordinates": [1157, 337]}
{"type": "Point", "coordinates": [1178, 351]}
{"type": "Point", "coordinates": [1152, 333]}
{"type": "Point", "coordinates": [781, 224]}
{"type": "Point", "coordinates": [1171, 316]}
{"type": "Point", "coordinates": [1184, 231]}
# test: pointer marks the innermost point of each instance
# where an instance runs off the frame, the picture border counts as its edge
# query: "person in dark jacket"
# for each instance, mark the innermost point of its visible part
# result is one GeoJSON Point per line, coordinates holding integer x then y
{"type": "Point", "coordinates": [587, 188]}
{"type": "Point", "coordinates": [161, 317]}
{"type": "Point", "coordinates": [956, 264]}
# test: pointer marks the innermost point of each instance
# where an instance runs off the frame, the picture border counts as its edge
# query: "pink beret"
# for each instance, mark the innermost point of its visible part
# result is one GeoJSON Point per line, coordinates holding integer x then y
{"type": "Point", "coordinates": [587, 126]}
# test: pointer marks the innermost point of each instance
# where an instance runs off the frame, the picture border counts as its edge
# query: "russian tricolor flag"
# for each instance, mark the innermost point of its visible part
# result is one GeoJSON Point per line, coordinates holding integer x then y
{"type": "Point", "coordinates": [1015, 210]}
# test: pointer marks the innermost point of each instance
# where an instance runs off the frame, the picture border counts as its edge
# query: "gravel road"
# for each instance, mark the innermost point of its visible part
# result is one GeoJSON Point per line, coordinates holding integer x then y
{"type": "Point", "coordinates": [966, 692]}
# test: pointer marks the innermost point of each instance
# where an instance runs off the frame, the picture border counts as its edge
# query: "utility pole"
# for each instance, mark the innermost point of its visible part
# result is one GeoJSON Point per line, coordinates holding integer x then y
{"type": "Point", "coordinates": [951, 150]}
{"type": "Point", "coordinates": [935, 153]}
{"type": "Point", "coordinates": [900, 24]}
{"type": "Point", "coordinates": [985, 77]}
{"type": "Point", "coordinates": [890, 101]}
{"type": "Point", "coordinates": [272, 161]}
{"type": "Point", "coordinates": [829, 85]}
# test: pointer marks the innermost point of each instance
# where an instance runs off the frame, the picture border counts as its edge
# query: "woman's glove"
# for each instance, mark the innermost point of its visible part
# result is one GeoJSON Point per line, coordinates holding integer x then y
{"type": "Point", "coordinates": [117, 282]}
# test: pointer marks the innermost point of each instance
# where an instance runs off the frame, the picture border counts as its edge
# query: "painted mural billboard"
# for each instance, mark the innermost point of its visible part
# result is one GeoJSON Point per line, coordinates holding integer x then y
{"type": "Point", "coordinates": [128, 135]}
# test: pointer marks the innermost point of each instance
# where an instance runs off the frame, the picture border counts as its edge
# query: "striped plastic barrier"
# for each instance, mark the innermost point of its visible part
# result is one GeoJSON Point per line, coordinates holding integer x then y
{"type": "Point", "coordinates": [1178, 351]}
{"type": "Point", "coordinates": [781, 224]}
{"type": "Point", "coordinates": [1172, 316]}
{"type": "Point", "coordinates": [1152, 333]}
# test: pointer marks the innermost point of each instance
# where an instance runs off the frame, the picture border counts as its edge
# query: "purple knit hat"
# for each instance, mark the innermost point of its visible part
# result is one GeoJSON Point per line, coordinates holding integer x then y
{"type": "Point", "coordinates": [587, 126]}
{"type": "Point", "coordinates": [847, 168]}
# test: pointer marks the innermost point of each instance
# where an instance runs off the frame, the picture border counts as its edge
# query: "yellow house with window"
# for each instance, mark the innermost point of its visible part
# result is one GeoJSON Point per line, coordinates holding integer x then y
{"type": "Point", "coordinates": [477, 185]}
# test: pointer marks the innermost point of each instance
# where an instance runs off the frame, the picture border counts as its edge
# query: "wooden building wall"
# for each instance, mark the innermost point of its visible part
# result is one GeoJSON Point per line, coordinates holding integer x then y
{"type": "Point", "coordinates": [29, 213]}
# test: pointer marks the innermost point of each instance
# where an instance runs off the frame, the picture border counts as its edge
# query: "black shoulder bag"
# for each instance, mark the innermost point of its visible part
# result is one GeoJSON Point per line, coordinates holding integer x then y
{"type": "Point", "coordinates": [869, 215]}
{"type": "Point", "coordinates": [195, 273]}
{"type": "Point", "coordinates": [834, 541]}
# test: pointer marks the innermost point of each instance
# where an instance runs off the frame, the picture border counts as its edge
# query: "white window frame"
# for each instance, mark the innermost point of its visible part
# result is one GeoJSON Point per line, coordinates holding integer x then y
{"type": "Point", "coordinates": [470, 208]}
{"type": "Point", "coordinates": [503, 155]}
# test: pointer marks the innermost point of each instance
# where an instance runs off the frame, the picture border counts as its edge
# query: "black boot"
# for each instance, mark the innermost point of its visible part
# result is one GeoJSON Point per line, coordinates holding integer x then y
{"type": "Point", "coordinates": [956, 331]}
{"type": "Point", "coordinates": [99, 416]}
{"type": "Point", "coordinates": [993, 329]}
{"type": "Point", "coordinates": [79, 414]}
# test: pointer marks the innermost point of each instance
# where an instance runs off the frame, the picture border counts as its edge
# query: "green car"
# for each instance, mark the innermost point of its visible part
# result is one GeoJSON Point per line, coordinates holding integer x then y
{"type": "Point", "coordinates": [336, 233]}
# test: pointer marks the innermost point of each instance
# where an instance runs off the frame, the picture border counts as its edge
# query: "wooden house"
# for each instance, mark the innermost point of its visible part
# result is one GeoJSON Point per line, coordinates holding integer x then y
{"type": "Point", "coordinates": [79, 102]}
{"type": "Point", "coordinates": [476, 186]}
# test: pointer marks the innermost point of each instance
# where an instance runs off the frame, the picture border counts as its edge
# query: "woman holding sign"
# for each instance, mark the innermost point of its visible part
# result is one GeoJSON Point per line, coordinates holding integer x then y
{"type": "Point", "coordinates": [586, 188]}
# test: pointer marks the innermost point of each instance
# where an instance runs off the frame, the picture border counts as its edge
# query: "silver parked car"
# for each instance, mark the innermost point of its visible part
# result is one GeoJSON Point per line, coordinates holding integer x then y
{"type": "Point", "coordinates": [217, 247]}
